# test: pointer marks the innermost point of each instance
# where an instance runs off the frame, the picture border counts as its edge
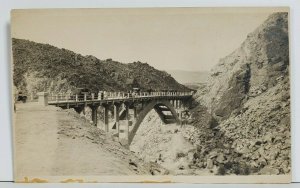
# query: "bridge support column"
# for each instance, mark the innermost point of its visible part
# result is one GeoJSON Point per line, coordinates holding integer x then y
{"type": "Point", "coordinates": [161, 115]}
{"type": "Point", "coordinates": [106, 118]}
{"type": "Point", "coordinates": [173, 103]}
{"type": "Point", "coordinates": [124, 134]}
{"type": "Point", "coordinates": [94, 114]}
{"type": "Point", "coordinates": [179, 104]}
{"type": "Point", "coordinates": [134, 112]}
{"type": "Point", "coordinates": [43, 98]}
{"type": "Point", "coordinates": [124, 128]}
{"type": "Point", "coordinates": [116, 116]}
{"type": "Point", "coordinates": [143, 105]}
{"type": "Point", "coordinates": [127, 112]}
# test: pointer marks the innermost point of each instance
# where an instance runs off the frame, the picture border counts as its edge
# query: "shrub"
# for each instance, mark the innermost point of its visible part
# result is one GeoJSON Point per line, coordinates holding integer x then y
{"type": "Point", "coordinates": [221, 170]}
{"type": "Point", "coordinates": [180, 155]}
{"type": "Point", "coordinates": [241, 169]}
{"type": "Point", "coordinates": [213, 123]}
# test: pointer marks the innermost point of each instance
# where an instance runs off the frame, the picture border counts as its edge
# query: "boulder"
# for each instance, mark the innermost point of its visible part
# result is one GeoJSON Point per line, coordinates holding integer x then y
{"type": "Point", "coordinates": [220, 158]}
{"type": "Point", "coordinates": [269, 171]}
{"type": "Point", "coordinates": [213, 154]}
{"type": "Point", "coordinates": [269, 138]}
{"type": "Point", "coordinates": [209, 163]}
{"type": "Point", "coordinates": [262, 161]}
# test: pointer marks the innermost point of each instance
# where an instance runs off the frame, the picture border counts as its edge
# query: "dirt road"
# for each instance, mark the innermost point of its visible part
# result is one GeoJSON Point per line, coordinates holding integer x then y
{"type": "Point", "coordinates": [53, 142]}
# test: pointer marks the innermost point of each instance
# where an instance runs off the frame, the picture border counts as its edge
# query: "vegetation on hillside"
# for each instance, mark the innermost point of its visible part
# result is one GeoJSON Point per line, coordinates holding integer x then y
{"type": "Point", "coordinates": [42, 67]}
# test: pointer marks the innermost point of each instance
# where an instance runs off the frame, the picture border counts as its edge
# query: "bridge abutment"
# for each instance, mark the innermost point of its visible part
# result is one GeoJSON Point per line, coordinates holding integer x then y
{"type": "Point", "coordinates": [43, 98]}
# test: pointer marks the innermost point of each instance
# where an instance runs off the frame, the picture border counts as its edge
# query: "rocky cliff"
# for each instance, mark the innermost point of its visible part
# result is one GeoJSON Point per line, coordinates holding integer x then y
{"type": "Point", "coordinates": [244, 111]}
{"type": "Point", "coordinates": [42, 67]}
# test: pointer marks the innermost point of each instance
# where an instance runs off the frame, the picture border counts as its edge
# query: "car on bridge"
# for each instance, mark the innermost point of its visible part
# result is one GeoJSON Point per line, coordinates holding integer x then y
{"type": "Point", "coordinates": [136, 91]}
{"type": "Point", "coordinates": [21, 97]}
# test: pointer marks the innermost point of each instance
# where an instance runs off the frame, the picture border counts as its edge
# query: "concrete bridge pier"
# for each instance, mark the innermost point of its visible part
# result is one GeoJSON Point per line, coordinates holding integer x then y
{"type": "Point", "coordinates": [106, 109]}
{"type": "Point", "coordinates": [84, 109]}
{"type": "Point", "coordinates": [94, 114]}
{"type": "Point", "coordinates": [124, 128]}
{"type": "Point", "coordinates": [124, 134]}
{"type": "Point", "coordinates": [179, 104]}
{"type": "Point", "coordinates": [172, 102]}
{"type": "Point", "coordinates": [127, 111]}
{"type": "Point", "coordinates": [142, 105]}
{"type": "Point", "coordinates": [134, 112]}
{"type": "Point", "coordinates": [176, 104]}
{"type": "Point", "coordinates": [116, 116]}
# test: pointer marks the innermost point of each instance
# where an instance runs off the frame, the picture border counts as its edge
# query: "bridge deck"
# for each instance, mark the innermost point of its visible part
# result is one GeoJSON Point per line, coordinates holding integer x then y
{"type": "Point", "coordinates": [116, 100]}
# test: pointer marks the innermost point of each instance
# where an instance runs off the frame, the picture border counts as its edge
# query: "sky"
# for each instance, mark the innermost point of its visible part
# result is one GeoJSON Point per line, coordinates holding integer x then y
{"type": "Point", "coordinates": [191, 39]}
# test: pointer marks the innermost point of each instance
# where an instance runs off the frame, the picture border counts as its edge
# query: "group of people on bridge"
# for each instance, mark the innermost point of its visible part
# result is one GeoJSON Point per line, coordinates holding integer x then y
{"type": "Point", "coordinates": [103, 95]}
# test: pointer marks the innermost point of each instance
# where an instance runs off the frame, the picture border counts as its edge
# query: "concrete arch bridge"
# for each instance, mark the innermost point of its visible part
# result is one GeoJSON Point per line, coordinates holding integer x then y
{"type": "Point", "coordinates": [128, 112]}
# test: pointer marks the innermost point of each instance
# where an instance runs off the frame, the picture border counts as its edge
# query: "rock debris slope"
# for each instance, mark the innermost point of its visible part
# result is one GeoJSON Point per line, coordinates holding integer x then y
{"type": "Point", "coordinates": [167, 145]}
{"type": "Point", "coordinates": [78, 136]}
{"type": "Point", "coordinates": [247, 100]}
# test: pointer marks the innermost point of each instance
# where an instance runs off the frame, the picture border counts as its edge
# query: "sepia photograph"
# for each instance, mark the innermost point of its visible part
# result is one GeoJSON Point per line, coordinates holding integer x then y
{"type": "Point", "coordinates": [193, 95]}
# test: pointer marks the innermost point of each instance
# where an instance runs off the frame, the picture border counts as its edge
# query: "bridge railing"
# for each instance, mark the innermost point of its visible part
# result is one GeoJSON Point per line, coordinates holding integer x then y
{"type": "Point", "coordinates": [111, 95]}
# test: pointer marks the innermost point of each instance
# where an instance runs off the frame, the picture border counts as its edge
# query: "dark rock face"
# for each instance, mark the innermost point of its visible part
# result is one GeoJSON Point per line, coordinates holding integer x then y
{"type": "Point", "coordinates": [248, 95]}
{"type": "Point", "coordinates": [42, 67]}
{"type": "Point", "coordinates": [251, 69]}
{"type": "Point", "coordinates": [234, 96]}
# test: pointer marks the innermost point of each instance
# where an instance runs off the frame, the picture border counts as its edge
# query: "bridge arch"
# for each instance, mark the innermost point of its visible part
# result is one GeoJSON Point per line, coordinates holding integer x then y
{"type": "Point", "coordinates": [158, 106]}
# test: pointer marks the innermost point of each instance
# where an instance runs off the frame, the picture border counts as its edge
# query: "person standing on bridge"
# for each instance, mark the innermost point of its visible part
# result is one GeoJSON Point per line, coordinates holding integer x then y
{"type": "Point", "coordinates": [102, 95]}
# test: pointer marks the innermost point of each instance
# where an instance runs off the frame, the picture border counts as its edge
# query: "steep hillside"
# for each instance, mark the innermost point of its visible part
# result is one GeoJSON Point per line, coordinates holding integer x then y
{"type": "Point", "coordinates": [259, 64]}
{"type": "Point", "coordinates": [42, 67]}
{"type": "Point", "coordinates": [246, 105]}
